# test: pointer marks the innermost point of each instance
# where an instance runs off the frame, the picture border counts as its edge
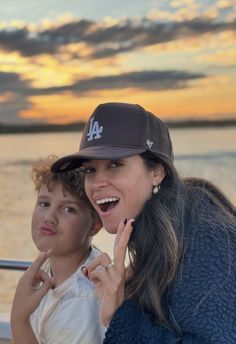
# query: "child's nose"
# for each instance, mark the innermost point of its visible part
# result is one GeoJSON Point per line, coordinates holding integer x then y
{"type": "Point", "coordinates": [51, 217]}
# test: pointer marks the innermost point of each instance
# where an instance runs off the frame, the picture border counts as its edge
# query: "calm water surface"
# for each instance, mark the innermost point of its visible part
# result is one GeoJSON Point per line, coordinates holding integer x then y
{"type": "Point", "coordinates": [209, 153]}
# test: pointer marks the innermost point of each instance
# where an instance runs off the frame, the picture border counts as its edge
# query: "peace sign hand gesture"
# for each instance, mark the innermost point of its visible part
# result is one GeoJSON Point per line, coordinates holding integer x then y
{"type": "Point", "coordinates": [108, 276]}
{"type": "Point", "coordinates": [31, 288]}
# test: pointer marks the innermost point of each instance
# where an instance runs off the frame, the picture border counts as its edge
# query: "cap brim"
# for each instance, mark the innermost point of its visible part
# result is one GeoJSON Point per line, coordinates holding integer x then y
{"type": "Point", "coordinates": [73, 161]}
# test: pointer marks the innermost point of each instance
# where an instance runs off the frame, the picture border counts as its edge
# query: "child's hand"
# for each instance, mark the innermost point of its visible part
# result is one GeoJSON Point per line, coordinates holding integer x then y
{"type": "Point", "coordinates": [31, 288]}
{"type": "Point", "coordinates": [109, 276]}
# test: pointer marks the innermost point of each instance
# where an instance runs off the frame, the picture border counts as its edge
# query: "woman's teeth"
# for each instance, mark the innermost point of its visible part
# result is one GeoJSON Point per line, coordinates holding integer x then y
{"type": "Point", "coordinates": [107, 203]}
{"type": "Point", "coordinates": [105, 200]}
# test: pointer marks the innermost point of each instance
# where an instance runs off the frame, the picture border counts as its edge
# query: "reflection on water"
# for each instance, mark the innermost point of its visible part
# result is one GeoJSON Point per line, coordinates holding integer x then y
{"type": "Point", "coordinates": [209, 153]}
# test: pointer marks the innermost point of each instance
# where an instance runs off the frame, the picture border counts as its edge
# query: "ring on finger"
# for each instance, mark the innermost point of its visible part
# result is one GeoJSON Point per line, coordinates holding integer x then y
{"type": "Point", "coordinates": [109, 266]}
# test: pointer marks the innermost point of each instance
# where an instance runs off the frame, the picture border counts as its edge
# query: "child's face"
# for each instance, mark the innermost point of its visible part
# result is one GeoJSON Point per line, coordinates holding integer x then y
{"type": "Point", "coordinates": [61, 222]}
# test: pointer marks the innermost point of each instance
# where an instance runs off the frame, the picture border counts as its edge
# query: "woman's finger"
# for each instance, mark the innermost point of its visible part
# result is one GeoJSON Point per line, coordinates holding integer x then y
{"type": "Point", "coordinates": [101, 276]}
{"type": "Point", "coordinates": [121, 243]}
{"type": "Point", "coordinates": [119, 232]}
{"type": "Point", "coordinates": [101, 260]}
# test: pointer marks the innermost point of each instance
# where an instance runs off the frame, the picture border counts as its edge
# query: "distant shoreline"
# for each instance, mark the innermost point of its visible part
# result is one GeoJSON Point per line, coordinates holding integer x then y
{"type": "Point", "coordinates": [78, 126]}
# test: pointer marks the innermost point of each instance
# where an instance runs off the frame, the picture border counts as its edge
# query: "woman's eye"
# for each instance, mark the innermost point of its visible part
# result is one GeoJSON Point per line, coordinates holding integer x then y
{"type": "Point", "coordinates": [88, 170]}
{"type": "Point", "coordinates": [114, 164]}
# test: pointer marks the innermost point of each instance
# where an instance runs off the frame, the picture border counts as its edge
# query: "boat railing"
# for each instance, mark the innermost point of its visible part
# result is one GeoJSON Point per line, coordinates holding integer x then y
{"type": "Point", "coordinates": [17, 265]}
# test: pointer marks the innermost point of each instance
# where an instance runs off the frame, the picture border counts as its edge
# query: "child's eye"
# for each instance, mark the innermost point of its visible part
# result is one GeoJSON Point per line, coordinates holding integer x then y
{"type": "Point", "coordinates": [70, 210]}
{"type": "Point", "coordinates": [43, 204]}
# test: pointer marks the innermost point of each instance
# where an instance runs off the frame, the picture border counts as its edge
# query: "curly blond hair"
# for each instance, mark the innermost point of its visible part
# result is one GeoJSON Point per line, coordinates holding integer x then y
{"type": "Point", "coordinates": [72, 181]}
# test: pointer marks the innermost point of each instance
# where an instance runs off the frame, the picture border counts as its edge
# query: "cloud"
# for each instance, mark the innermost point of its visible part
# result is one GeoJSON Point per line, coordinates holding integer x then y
{"type": "Point", "coordinates": [49, 41]}
{"type": "Point", "coordinates": [11, 82]}
{"type": "Point", "coordinates": [105, 41]}
{"type": "Point", "coordinates": [18, 92]}
{"type": "Point", "coordinates": [62, 58]}
{"type": "Point", "coordinates": [12, 101]}
{"type": "Point", "coordinates": [144, 80]}
{"type": "Point", "coordinates": [12, 107]}
{"type": "Point", "coordinates": [26, 43]}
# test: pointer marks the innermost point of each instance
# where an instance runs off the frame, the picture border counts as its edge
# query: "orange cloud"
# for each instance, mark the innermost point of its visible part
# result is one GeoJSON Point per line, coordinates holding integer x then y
{"type": "Point", "coordinates": [131, 49]}
{"type": "Point", "coordinates": [60, 109]}
{"type": "Point", "coordinates": [213, 98]}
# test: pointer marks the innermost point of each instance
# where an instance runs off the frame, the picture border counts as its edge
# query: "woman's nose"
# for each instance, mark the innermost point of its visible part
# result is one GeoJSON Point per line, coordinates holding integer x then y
{"type": "Point", "coordinates": [100, 180]}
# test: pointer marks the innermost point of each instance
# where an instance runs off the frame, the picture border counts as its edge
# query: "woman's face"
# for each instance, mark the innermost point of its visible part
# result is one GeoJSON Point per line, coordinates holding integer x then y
{"type": "Point", "coordinates": [118, 189]}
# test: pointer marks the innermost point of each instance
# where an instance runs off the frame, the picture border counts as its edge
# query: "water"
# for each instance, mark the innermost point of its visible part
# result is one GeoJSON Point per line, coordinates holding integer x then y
{"type": "Point", "coordinates": [209, 153]}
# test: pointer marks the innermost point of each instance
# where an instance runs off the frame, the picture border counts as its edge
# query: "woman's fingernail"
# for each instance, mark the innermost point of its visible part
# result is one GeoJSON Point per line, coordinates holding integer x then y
{"type": "Point", "coordinates": [125, 221]}
{"type": "Point", "coordinates": [133, 223]}
{"type": "Point", "coordinates": [84, 270]}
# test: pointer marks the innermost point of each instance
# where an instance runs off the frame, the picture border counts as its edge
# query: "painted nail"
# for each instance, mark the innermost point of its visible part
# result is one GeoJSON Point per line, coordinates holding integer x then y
{"type": "Point", "coordinates": [125, 221]}
{"type": "Point", "coordinates": [133, 223]}
{"type": "Point", "coordinates": [84, 270]}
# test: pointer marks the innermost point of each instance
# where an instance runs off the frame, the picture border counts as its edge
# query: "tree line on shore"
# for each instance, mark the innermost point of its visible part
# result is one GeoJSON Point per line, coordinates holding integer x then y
{"type": "Point", "coordinates": [78, 126]}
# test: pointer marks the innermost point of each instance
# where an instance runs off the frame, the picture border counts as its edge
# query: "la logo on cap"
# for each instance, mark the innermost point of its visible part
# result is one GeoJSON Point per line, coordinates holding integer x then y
{"type": "Point", "coordinates": [149, 143]}
{"type": "Point", "coordinates": [94, 130]}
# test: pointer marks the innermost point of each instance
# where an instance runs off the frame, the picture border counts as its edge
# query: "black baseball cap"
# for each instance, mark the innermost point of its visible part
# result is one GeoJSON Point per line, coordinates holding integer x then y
{"type": "Point", "coordinates": [118, 130]}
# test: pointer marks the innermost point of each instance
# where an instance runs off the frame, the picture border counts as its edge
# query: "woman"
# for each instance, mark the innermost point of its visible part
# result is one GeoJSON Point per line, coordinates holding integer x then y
{"type": "Point", "coordinates": [181, 235]}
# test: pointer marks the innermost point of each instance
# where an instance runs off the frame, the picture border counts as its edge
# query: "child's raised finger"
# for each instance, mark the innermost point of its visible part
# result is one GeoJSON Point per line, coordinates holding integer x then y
{"type": "Point", "coordinates": [41, 277]}
{"type": "Point", "coordinates": [36, 265]}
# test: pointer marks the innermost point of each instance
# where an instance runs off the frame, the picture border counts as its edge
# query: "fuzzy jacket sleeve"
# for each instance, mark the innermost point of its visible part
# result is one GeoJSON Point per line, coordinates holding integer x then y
{"type": "Point", "coordinates": [131, 325]}
{"type": "Point", "coordinates": [201, 302]}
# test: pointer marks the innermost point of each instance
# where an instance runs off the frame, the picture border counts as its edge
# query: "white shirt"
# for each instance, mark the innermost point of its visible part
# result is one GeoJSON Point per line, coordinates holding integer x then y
{"type": "Point", "coordinates": [69, 314]}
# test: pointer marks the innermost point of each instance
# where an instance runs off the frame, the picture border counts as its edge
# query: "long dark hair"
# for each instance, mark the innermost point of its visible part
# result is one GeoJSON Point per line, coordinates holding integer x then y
{"type": "Point", "coordinates": [156, 244]}
{"type": "Point", "coordinates": [214, 193]}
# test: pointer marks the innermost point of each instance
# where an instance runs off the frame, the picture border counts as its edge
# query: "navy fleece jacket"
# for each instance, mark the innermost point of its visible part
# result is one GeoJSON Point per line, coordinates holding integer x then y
{"type": "Point", "coordinates": [201, 301]}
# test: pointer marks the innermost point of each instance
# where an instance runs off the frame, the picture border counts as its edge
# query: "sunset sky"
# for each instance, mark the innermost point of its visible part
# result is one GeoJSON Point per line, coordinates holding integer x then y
{"type": "Point", "coordinates": [59, 59]}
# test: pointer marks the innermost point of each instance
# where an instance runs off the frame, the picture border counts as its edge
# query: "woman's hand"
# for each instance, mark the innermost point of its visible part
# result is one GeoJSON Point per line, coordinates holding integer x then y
{"type": "Point", "coordinates": [31, 288]}
{"type": "Point", "coordinates": [108, 275]}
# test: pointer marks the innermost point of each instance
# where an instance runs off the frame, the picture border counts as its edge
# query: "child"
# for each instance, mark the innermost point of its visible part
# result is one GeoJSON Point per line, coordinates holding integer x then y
{"type": "Point", "coordinates": [60, 305]}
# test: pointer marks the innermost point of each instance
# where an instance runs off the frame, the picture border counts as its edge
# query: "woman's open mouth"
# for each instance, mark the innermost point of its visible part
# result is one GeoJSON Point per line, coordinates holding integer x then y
{"type": "Point", "coordinates": [106, 204]}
